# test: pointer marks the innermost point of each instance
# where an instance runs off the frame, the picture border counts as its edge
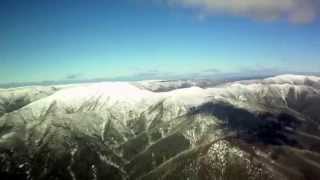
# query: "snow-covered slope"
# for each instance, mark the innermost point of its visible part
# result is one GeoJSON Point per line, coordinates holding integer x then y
{"type": "Point", "coordinates": [163, 130]}
{"type": "Point", "coordinates": [15, 98]}
{"type": "Point", "coordinates": [299, 80]}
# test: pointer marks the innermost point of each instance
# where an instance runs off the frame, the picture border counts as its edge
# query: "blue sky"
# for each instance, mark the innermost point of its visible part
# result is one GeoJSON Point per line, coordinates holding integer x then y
{"type": "Point", "coordinates": [85, 39]}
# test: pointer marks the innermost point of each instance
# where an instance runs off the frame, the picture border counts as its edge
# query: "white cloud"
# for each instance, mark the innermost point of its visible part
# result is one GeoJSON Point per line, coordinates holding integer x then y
{"type": "Point", "coordinates": [296, 11]}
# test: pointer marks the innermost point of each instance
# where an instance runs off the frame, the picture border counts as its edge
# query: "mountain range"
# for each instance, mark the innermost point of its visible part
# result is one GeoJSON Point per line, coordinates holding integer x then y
{"type": "Point", "coordinates": [157, 129]}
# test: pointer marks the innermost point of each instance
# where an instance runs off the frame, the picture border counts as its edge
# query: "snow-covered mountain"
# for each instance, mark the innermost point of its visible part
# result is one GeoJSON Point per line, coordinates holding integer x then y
{"type": "Point", "coordinates": [258, 129]}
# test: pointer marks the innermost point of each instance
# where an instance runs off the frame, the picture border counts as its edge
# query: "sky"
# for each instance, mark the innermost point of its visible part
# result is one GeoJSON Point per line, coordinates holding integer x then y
{"type": "Point", "coordinates": [56, 40]}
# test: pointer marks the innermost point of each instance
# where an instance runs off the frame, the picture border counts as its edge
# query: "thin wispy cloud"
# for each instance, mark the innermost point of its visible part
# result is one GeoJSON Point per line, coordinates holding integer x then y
{"type": "Point", "coordinates": [212, 70]}
{"type": "Point", "coordinates": [74, 76]}
{"type": "Point", "coordinates": [295, 11]}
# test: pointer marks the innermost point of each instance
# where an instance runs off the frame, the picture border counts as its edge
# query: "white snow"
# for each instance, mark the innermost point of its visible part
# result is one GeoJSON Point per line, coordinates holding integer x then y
{"type": "Point", "coordinates": [123, 97]}
{"type": "Point", "coordinates": [291, 79]}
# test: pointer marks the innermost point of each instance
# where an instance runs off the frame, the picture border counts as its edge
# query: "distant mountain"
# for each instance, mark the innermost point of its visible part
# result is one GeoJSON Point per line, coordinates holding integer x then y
{"type": "Point", "coordinates": [191, 129]}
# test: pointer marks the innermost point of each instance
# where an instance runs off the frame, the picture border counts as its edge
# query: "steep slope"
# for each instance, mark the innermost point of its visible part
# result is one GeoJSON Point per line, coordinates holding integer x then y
{"type": "Point", "coordinates": [261, 129]}
{"type": "Point", "coordinates": [15, 98]}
